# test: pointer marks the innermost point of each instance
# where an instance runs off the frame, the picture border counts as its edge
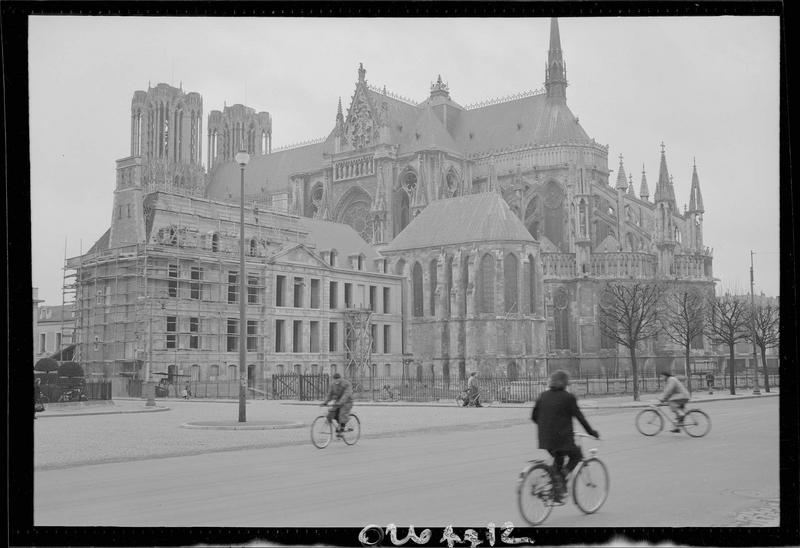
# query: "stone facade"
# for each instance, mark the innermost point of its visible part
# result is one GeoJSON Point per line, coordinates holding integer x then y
{"type": "Point", "coordinates": [524, 300]}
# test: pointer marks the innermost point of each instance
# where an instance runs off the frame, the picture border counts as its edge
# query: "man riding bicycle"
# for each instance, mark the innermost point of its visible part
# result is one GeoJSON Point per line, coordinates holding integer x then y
{"type": "Point", "coordinates": [553, 415]}
{"type": "Point", "coordinates": [341, 392]}
{"type": "Point", "coordinates": [676, 395]}
{"type": "Point", "coordinates": [473, 392]}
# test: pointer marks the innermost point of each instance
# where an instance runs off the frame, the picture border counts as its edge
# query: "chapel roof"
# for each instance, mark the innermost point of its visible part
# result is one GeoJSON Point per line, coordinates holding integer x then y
{"type": "Point", "coordinates": [483, 217]}
{"type": "Point", "coordinates": [327, 235]}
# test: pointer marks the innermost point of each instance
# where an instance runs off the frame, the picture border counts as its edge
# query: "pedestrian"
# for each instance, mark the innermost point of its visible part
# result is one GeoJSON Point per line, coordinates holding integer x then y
{"type": "Point", "coordinates": [553, 414]}
{"type": "Point", "coordinates": [187, 392]}
{"type": "Point", "coordinates": [473, 391]}
{"type": "Point", "coordinates": [37, 396]}
{"type": "Point", "coordinates": [710, 382]}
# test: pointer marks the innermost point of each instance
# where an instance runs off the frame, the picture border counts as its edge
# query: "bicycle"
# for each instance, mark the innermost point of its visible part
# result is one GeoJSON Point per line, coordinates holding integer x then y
{"type": "Point", "coordinates": [536, 493]}
{"type": "Point", "coordinates": [463, 400]}
{"type": "Point", "coordinates": [73, 394]}
{"type": "Point", "coordinates": [322, 431]}
{"type": "Point", "coordinates": [650, 421]}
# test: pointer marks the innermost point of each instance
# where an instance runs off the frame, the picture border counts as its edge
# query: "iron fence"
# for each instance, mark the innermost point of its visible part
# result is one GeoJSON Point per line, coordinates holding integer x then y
{"type": "Point", "coordinates": [97, 390]}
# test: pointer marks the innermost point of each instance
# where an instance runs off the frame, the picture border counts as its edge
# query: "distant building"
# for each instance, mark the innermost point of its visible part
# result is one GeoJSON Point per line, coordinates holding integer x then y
{"type": "Point", "coordinates": [489, 230]}
{"type": "Point", "coordinates": [53, 330]}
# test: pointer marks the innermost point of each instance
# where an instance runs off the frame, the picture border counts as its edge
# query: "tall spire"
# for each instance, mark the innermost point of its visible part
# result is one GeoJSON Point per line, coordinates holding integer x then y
{"type": "Point", "coordinates": [663, 185]}
{"type": "Point", "coordinates": [339, 115]}
{"type": "Point", "coordinates": [644, 192]}
{"type": "Point", "coordinates": [622, 179]}
{"type": "Point", "coordinates": [695, 198]}
{"type": "Point", "coordinates": [556, 72]}
{"type": "Point", "coordinates": [631, 192]}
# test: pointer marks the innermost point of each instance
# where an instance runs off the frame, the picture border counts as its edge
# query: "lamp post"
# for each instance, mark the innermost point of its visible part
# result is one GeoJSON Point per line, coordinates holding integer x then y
{"type": "Point", "coordinates": [242, 157]}
{"type": "Point", "coordinates": [756, 389]}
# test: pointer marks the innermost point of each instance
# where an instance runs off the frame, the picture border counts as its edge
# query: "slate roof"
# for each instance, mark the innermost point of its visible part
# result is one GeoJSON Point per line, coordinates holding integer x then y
{"type": "Point", "coordinates": [481, 217]}
{"type": "Point", "coordinates": [102, 243]}
{"type": "Point", "coordinates": [327, 235]}
{"type": "Point", "coordinates": [269, 172]}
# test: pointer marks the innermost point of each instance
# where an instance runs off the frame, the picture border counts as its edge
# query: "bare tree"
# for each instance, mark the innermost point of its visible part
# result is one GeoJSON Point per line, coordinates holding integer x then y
{"type": "Point", "coordinates": [728, 324]}
{"type": "Point", "coordinates": [629, 316]}
{"type": "Point", "coordinates": [766, 324]}
{"type": "Point", "coordinates": [683, 319]}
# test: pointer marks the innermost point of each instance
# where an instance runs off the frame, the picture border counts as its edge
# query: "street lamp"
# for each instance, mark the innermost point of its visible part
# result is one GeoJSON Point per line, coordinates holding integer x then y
{"type": "Point", "coordinates": [756, 389]}
{"type": "Point", "coordinates": [242, 157]}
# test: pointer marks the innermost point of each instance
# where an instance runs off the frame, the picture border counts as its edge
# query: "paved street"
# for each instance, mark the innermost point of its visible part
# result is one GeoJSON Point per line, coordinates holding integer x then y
{"type": "Point", "coordinates": [450, 466]}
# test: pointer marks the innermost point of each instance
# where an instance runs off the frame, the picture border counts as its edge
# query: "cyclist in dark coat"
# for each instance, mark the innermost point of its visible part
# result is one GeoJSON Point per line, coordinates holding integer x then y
{"type": "Point", "coordinates": [553, 414]}
{"type": "Point", "coordinates": [341, 392]}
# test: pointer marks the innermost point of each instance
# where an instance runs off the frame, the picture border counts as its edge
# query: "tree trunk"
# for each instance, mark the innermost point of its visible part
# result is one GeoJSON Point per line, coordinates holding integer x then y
{"type": "Point", "coordinates": [732, 371]}
{"type": "Point", "coordinates": [688, 371]}
{"type": "Point", "coordinates": [764, 365]}
{"type": "Point", "coordinates": [635, 371]}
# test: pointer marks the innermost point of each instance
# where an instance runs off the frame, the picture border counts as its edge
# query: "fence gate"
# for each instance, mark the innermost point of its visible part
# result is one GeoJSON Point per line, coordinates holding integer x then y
{"type": "Point", "coordinates": [299, 387]}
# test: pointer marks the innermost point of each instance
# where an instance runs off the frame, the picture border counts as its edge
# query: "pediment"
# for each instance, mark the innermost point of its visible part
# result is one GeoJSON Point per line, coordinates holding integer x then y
{"type": "Point", "coordinates": [300, 255]}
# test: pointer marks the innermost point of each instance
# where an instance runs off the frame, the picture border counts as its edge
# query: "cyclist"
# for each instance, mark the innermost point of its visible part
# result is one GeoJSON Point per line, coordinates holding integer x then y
{"type": "Point", "coordinates": [553, 413]}
{"type": "Point", "coordinates": [677, 396]}
{"type": "Point", "coordinates": [473, 392]}
{"type": "Point", "coordinates": [341, 392]}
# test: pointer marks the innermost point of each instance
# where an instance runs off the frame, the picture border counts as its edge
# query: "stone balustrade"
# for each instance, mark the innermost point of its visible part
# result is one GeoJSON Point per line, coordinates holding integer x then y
{"type": "Point", "coordinates": [623, 265]}
{"type": "Point", "coordinates": [690, 266]}
{"type": "Point", "coordinates": [558, 265]}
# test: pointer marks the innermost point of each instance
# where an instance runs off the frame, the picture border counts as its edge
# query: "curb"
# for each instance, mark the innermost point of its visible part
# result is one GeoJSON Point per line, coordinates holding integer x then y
{"type": "Point", "coordinates": [246, 426]}
{"type": "Point", "coordinates": [115, 412]}
{"type": "Point", "coordinates": [636, 405]}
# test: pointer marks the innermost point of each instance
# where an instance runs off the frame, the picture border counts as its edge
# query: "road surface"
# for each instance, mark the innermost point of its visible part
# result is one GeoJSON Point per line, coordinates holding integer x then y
{"type": "Point", "coordinates": [463, 477]}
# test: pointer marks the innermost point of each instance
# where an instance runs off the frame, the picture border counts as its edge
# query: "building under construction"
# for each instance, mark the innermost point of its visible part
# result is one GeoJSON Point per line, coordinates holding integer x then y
{"type": "Point", "coordinates": [158, 293]}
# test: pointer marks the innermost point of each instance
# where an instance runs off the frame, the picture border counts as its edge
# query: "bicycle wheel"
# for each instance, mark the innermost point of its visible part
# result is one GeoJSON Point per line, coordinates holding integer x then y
{"type": "Point", "coordinates": [535, 494]}
{"type": "Point", "coordinates": [696, 423]}
{"type": "Point", "coordinates": [352, 430]}
{"type": "Point", "coordinates": [321, 432]}
{"type": "Point", "coordinates": [649, 422]}
{"type": "Point", "coordinates": [590, 485]}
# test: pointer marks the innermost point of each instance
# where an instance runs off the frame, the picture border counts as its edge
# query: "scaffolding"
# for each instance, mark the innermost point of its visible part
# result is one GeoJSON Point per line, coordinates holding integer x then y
{"type": "Point", "coordinates": [357, 343]}
{"type": "Point", "coordinates": [69, 308]}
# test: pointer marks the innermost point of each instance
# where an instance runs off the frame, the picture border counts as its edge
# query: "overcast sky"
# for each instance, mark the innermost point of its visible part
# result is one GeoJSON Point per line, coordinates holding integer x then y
{"type": "Point", "coordinates": [706, 86]}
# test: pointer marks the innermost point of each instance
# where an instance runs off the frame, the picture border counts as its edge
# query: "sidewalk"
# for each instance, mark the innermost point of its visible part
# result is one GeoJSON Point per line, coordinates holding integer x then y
{"type": "Point", "coordinates": [137, 405]}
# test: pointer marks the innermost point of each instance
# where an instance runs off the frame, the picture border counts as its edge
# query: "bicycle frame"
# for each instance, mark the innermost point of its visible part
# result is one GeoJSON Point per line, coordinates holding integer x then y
{"type": "Point", "coordinates": [661, 412]}
{"type": "Point", "coordinates": [592, 452]}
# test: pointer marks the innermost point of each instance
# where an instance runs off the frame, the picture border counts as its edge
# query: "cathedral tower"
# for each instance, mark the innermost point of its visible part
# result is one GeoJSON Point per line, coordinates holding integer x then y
{"type": "Point", "coordinates": [235, 128]}
{"type": "Point", "coordinates": [166, 125]}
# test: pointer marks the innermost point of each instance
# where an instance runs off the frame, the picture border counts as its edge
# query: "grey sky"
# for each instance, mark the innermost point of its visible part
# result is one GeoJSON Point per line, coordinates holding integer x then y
{"type": "Point", "coordinates": [706, 86]}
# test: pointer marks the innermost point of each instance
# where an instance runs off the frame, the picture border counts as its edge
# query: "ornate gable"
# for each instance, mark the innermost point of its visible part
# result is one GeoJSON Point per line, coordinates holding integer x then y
{"type": "Point", "coordinates": [361, 128]}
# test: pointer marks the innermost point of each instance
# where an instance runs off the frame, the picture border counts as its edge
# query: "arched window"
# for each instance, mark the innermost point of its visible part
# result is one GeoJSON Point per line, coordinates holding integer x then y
{"type": "Point", "coordinates": [195, 372]}
{"type": "Point", "coordinates": [213, 373]}
{"type": "Point", "coordinates": [333, 257]}
{"type": "Point", "coordinates": [487, 283]}
{"type": "Point", "coordinates": [510, 278]}
{"type": "Point", "coordinates": [530, 282]}
{"type": "Point", "coordinates": [554, 213]}
{"type": "Point", "coordinates": [401, 211]}
{"type": "Point", "coordinates": [446, 373]}
{"type": "Point", "coordinates": [464, 283]}
{"type": "Point", "coordinates": [233, 372]}
{"type": "Point", "coordinates": [432, 281]}
{"type": "Point", "coordinates": [279, 369]}
{"type": "Point", "coordinates": [416, 282]}
{"type": "Point", "coordinates": [419, 373]}
{"type": "Point", "coordinates": [561, 319]}
{"type": "Point", "coordinates": [361, 262]}
{"type": "Point", "coordinates": [448, 284]}
{"type": "Point", "coordinates": [512, 372]}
